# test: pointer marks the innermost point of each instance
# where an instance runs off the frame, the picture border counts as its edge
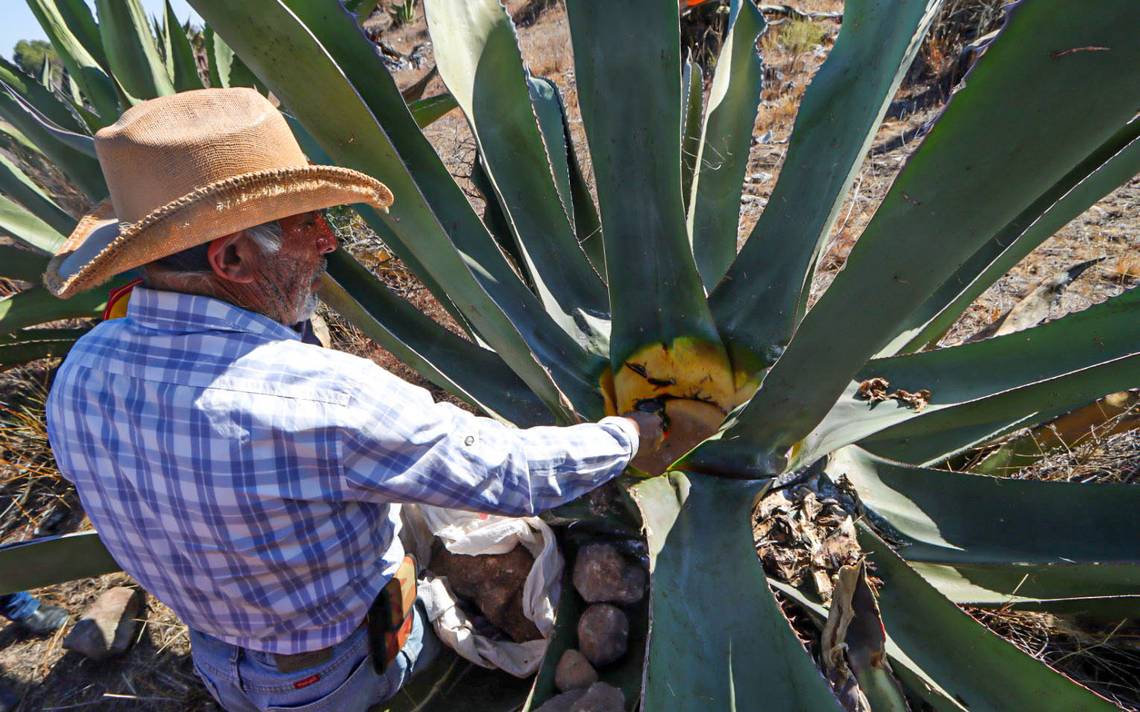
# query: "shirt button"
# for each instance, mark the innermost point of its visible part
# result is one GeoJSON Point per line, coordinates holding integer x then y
{"type": "Point", "coordinates": [469, 440]}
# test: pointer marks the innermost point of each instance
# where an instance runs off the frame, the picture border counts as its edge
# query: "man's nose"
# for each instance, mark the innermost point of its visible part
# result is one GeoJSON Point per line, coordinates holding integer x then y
{"type": "Point", "coordinates": [326, 238]}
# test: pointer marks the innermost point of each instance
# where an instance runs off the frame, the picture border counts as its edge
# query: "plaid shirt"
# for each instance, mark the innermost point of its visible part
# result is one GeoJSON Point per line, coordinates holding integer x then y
{"type": "Point", "coordinates": [250, 481]}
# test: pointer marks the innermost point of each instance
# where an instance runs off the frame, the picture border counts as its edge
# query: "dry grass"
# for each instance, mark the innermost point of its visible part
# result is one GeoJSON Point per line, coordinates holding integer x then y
{"type": "Point", "coordinates": [1105, 659]}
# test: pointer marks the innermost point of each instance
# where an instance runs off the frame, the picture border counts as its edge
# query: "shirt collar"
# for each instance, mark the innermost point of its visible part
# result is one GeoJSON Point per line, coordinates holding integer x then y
{"type": "Point", "coordinates": [177, 311]}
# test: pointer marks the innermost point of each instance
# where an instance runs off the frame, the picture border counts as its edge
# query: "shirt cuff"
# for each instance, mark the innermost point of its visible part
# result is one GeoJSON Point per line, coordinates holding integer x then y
{"type": "Point", "coordinates": [626, 432]}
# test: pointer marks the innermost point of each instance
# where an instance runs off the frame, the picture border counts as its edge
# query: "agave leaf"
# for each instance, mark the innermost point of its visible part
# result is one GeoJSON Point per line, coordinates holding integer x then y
{"type": "Point", "coordinates": [180, 55]}
{"type": "Point", "coordinates": [911, 676]}
{"type": "Point", "coordinates": [45, 102]}
{"type": "Point", "coordinates": [995, 675]}
{"type": "Point", "coordinates": [26, 228]}
{"type": "Point", "coordinates": [979, 385]}
{"type": "Point", "coordinates": [1101, 173]}
{"type": "Point", "coordinates": [452, 683]}
{"type": "Point", "coordinates": [15, 184]}
{"type": "Point", "coordinates": [692, 105]}
{"type": "Point", "coordinates": [638, 170]}
{"type": "Point", "coordinates": [547, 104]}
{"type": "Point", "coordinates": [38, 306]}
{"type": "Point", "coordinates": [71, 40]}
{"type": "Point", "coordinates": [944, 434]}
{"type": "Point", "coordinates": [427, 110]}
{"type": "Point", "coordinates": [574, 369]}
{"type": "Point", "coordinates": [78, 16]}
{"type": "Point", "coordinates": [32, 344]}
{"type": "Point", "coordinates": [131, 50]}
{"type": "Point", "coordinates": [51, 560]}
{"type": "Point", "coordinates": [21, 264]}
{"type": "Point", "coordinates": [45, 74]}
{"type": "Point", "coordinates": [993, 541]}
{"type": "Point", "coordinates": [473, 373]}
{"type": "Point", "coordinates": [835, 125]}
{"type": "Point", "coordinates": [717, 637]}
{"type": "Point", "coordinates": [724, 144]}
{"type": "Point", "coordinates": [480, 282]}
{"type": "Point", "coordinates": [55, 143]}
{"type": "Point", "coordinates": [580, 203]}
{"type": "Point", "coordinates": [478, 58]}
{"type": "Point", "coordinates": [79, 141]}
{"type": "Point", "coordinates": [12, 135]}
{"type": "Point", "coordinates": [975, 171]}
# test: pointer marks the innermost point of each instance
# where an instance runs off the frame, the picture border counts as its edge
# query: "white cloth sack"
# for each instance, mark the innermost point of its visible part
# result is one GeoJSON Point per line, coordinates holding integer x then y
{"type": "Point", "coordinates": [475, 534]}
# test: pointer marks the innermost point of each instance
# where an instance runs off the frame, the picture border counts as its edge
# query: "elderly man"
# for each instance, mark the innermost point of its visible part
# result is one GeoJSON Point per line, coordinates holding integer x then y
{"type": "Point", "coordinates": [245, 478]}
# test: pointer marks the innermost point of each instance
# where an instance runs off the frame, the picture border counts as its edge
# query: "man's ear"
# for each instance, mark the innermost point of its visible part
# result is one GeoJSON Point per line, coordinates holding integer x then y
{"type": "Point", "coordinates": [234, 257]}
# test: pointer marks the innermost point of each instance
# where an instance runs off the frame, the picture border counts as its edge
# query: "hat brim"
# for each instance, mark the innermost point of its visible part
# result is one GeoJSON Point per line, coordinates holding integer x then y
{"type": "Point", "coordinates": [101, 247]}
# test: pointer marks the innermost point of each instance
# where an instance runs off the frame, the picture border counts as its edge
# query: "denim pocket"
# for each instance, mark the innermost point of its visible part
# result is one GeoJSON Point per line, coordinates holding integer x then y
{"type": "Point", "coordinates": [359, 691]}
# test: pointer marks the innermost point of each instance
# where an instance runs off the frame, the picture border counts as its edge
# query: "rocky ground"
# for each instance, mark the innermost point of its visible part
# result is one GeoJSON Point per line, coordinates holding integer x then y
{"type": "Point", "coordinates": [156, 674]}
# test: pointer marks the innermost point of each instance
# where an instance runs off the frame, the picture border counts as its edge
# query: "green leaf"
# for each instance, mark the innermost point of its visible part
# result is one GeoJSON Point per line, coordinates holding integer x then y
{"type": "Point", "coordinates": [131, 50]}
{"type": "Point", "coordinates": [835, 125]}
{"type": "Point", "coordinates": [452, 683]}
{"type": "Point", "coordinates": [15, 184]}
{"type": "Point", "coordinates": [21, 264]}
{"type": "Point", "coordinates": [994, 541]}
{"type": "Point", "coordinates": [181, 54]}
{"type": "Point", "coordinates": [427, 110]}
{"type": "Point", "coordinates": [1103, 171]}
{"type": "Point", "coordinates": [479, 60]}
{"type": "Point", "coordinates": [51, 560]}
{"type": "Point", "coordinates": [219, 58]}
{"type": "Point", "coordinates": [465, 369]}
{"type": "Point", "coordinates": [45, 74]}
{"type": "Point", "coordinates": [32, 344]}
{"type": "Point", "coordinates": [72, 40]}
{"type": "Point", "coordinates": [44, 101]}
{"type": "Point", "coordinates": [983, 383]}
{"type": "Point", "coordinates": [570, 608]}
{"type": "Point", "coordinates": [59, 145]}
{"type": "Point", "coordinates": [26, 228]}
{"type": "Point", "coordinates": [725, 140]}
{"type": "Point", "coordinates": [718, 640]}
{"type": "Point", "coordinates": [1027, 115]}
{"type": "Point", "coordinates": [637, 165]}
{"type": "Point", "coordinates": [692, 105]}
{"type": "Point", "coordinates": [480, 282]}
{"type": "Point", "coordinates": [991, 674]}
{"type": "Point", "coordinates": [78, 16]}
{"type": "Point", "coordinates": [912, 677]}
{"type": "Point", "coordinates": [38, 306]}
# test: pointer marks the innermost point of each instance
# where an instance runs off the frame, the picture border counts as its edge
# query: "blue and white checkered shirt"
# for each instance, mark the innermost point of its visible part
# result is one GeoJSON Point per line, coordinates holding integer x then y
{"type": "Point", "coordinates": [250, 481]}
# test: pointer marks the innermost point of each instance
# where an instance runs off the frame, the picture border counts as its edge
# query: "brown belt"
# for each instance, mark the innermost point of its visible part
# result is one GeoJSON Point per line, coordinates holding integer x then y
{"type": "Point", "coordinates": [389, 623]}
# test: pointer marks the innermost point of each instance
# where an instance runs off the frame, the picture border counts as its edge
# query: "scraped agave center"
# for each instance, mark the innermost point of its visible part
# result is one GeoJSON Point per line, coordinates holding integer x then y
{"type": "Point", "coordinates": [689, 380]}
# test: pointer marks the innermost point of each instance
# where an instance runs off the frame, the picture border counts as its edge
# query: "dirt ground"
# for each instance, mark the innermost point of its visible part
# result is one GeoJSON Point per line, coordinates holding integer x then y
{"type": "Point", "coordinates": [157, 675]}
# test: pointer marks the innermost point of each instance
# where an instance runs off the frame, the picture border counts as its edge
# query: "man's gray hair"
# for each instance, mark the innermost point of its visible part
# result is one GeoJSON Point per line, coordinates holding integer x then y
{"type": "Point", "coordinates": [190, 266]}
{"type": "Point", "coordinates": [268, 236]}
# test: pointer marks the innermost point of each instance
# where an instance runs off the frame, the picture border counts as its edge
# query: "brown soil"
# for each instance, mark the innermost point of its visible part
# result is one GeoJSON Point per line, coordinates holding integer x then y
{"type": "Point", "coordinates": [156, 675]}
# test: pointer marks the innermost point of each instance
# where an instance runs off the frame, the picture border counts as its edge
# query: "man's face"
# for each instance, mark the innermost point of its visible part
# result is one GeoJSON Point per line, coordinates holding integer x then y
{"type": "Point", "coordinates": [291, 276]}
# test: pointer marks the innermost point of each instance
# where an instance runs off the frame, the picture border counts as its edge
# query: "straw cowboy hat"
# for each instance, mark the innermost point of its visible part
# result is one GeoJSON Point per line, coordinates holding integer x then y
{"type": "Point", "coordinates": [188, 168]}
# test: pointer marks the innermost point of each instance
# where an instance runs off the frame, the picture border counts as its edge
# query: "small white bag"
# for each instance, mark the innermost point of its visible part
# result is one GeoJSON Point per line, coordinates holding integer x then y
{"type": "Point", "coordinates": [475, 534]}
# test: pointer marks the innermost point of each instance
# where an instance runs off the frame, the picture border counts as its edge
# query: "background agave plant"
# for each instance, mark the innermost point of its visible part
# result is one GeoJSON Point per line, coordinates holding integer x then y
{"type": "Point", "coordinates": [576, 308]}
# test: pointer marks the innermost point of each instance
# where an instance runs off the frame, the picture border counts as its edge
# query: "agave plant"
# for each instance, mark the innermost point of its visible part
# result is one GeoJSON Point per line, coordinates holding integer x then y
{"type": "Point", "coordinates": [574, 308]}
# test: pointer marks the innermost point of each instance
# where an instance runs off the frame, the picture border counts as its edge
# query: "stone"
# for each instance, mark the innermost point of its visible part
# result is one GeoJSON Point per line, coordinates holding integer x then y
{"type": "Point", "coordinates": [603, 634]}
{"type": "Point", "coordinates": [562, 703]}
{"type": "Point", "coordinates": [494, 583]}
{"type": "Point", "coordinates": [603, 575]}
{"type": "Point", "coordinates": [600, 697]}
{"type": "Point", "coordinates": [109, 626]}
{"type": "Point", "coordinates": [574, 671]}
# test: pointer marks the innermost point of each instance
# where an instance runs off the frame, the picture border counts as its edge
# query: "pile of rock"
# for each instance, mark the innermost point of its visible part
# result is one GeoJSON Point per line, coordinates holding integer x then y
{"type": "Point", "coordinates": [607, 581]}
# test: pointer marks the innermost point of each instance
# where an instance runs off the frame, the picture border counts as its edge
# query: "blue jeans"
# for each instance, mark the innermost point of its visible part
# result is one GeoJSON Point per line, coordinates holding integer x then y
{"type": "Point", "coordinates": [18, 606]}
{"type": "Point", "coordinates": [248, 681]}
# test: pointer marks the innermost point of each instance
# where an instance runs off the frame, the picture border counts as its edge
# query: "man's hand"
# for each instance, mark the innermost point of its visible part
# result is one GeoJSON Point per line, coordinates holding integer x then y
{"type": "Point", "coordinates": [650, 434]}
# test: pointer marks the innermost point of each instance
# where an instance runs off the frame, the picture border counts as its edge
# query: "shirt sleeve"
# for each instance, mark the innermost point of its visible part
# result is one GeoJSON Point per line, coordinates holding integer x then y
{"type": "Point", "coordinates": [408, 448]}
